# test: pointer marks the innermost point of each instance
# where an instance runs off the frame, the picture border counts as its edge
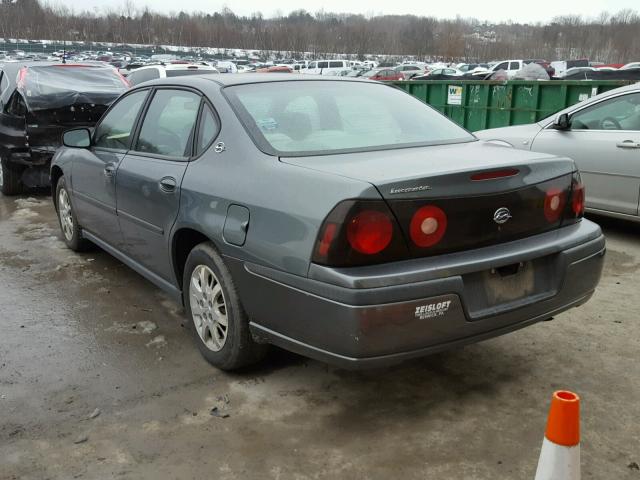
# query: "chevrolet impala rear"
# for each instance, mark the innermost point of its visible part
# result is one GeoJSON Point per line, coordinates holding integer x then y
{"type": "Point", "coordinates": [423, 237]}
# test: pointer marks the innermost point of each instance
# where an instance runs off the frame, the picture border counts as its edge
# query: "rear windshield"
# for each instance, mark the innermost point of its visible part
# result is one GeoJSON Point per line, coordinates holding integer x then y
{"type": "Point", "coordinates": [317, 117]}
{"type": "Point", "coordinates": [59, 86]}
{"type": "Point", "coordinates": [184, 73]}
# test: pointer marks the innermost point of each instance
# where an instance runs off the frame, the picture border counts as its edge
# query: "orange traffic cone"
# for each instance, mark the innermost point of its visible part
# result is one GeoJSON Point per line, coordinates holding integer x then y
{"type": "Point", "coordinates": [560, 454]}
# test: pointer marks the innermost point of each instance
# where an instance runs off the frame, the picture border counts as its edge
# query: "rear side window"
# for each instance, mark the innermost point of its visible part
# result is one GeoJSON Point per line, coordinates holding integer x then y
{"type": "Point", "coordinates": [114, 131]}
{"type": "Point", "coordinates": [323, 64]}
{"type": "Point", "coordinates": [318, 117]}
{"type": "Point", "coordinates": [514, 66]}
{"type": "Point", "coordinates": [145, 75]}
{"type": "Point", "coordinates": [169, 124]}
{"type": "Point", "coordinates": [208, 129]}
{"type": "Point", "coordinates": [336, 64]}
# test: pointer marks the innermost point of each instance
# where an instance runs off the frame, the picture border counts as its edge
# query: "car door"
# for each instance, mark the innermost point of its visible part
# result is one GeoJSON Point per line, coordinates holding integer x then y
{"type": "Point", "coordinates": [95, 169]}
{"type": "Point", "coordinates": [604, 141]}
{"type": "Point", "coordinates": [514, 67]}
{"type": "Point", "coordinates": [150, 176]}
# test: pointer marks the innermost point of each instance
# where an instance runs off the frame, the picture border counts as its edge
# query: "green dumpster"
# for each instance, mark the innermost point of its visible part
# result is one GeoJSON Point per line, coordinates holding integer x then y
{"type": "Point", "coordinates": [477, 105]}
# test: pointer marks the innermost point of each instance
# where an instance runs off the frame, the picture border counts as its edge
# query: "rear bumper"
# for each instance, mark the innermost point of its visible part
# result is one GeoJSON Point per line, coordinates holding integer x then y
{"type": "Point", "coordinates": [375, 316]}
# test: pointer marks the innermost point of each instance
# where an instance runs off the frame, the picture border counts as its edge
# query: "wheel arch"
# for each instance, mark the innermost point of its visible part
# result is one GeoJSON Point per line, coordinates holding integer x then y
{"type": "Point", "coordinates": [56, 173]}
{"type": "Point", "coordinates": [184, 239]}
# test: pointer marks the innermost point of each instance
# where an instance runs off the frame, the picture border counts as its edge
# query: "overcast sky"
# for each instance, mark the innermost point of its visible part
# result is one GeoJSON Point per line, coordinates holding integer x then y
{"type": "Point", "coordinates": [492, 10]}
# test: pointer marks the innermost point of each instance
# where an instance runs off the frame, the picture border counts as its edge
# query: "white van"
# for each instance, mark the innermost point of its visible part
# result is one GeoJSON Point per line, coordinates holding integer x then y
{"type": "Point", "coordinates": [322, 67]}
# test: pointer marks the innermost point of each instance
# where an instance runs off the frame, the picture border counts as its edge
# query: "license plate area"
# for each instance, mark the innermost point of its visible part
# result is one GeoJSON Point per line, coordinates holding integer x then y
{"type": "Point", "coordinates": [510, 286]}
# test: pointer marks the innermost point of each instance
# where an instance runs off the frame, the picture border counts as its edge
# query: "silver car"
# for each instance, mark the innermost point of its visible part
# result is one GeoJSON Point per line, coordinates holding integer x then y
{"type": "Point", "coordinates": [602, 135]}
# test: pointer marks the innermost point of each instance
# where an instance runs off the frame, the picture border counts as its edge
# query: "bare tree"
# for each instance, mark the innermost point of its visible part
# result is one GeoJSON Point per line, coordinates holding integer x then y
{"type": "Point", "coordinates": [609, 37]}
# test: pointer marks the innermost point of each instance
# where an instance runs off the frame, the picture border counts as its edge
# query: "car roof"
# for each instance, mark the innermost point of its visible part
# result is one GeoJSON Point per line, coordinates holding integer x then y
{"type": "Point", "coordinates": [229, 79]}
{"type": "Point", "coordinates": [175, 66]}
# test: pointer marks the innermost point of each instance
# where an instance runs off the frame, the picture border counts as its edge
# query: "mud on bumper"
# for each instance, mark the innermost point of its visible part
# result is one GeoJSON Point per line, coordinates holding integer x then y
{"type": "Point", "coordinates": [380, 315]}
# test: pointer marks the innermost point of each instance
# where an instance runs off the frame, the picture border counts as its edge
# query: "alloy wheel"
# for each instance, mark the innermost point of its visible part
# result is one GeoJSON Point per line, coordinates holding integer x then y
{"type": "Point", "coordinates": [64, 212]}
{"type": "Point", "coordinates": [208, 308]}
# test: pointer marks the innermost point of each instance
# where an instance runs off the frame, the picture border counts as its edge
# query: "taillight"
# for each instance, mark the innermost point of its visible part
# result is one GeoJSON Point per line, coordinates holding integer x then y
{"type": "Point", "coordinates": [577, 199]}
{"type": "Point", "coordinates": [22, 75]}
{"type": "Point", "coordinates": [428, 226]}
{"type": "Point", "coordinates": [370, 232]}
{"type": "Point", "coordinates": [123, 79]}
{"type": "Point", "coordinates": [327, 237]}
{"type": "Point", "coordinates": [554, 203]}
{"type": "Point", "coordinates": [575, 210]}
{"type": "Point", "coordinates": [359, 232]}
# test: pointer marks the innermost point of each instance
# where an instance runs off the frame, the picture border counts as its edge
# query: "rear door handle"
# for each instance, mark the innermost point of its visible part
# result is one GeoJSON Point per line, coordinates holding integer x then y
{"type": "Point", "coordinates": [109, 170]}
{"type": "Point", "coordinates": [168, 184]}
{"type": "Point", "coordinates": [628, 144]}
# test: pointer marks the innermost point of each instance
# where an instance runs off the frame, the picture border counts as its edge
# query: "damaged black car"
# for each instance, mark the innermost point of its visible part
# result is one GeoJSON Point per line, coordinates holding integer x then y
{"type": "Point", "coordinates": [38, 101]}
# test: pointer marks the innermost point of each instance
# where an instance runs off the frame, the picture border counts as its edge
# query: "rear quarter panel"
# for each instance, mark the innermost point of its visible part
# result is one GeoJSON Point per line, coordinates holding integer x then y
{"type": "Point", "coordinates": [287, 203]}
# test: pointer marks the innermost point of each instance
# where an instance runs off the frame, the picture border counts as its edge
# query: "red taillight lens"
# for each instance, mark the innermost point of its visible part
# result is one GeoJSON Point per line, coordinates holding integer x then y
{"type": "Point", "coordinates": [22, 75]}
{"type": "Point", "coordinates": [554, 203]}
{"type": "Point", "coordinates": [428, 226]}
{"type": "Point", "coordinates": [370, 232]}
{"type": "Point", "coordinates": [328, 235]}
{"type": "Point", "coordinates": [123, 80]}
{"type": "Point", "coordinates": [577, 199]}
{"type": "Point", "coordinates": [359, 232]}
{"type": "Point", "coordinates": [575, 210]}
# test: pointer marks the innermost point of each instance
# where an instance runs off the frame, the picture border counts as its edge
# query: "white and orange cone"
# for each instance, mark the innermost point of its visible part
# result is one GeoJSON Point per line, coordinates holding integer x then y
{"type": "Point", "coordinates": [560, 454]}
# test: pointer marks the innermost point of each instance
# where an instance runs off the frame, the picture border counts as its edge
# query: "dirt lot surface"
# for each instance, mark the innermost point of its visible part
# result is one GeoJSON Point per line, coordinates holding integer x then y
{"type": "Point", "coordinates": [83, 336]}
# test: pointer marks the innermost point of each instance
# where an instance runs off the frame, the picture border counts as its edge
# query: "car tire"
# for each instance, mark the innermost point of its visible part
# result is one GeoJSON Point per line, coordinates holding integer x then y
{"type": "Point", "coordinates": [69, 227]}
{"type": "Point", "coordinates": [211, 300]}
{"type": "Point", "coordinates": [10, 178]}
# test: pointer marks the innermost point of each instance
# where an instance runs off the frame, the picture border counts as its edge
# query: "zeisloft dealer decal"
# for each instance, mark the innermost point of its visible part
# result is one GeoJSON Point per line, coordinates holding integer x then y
{"type": "Point", "coordinates": [432, 310]}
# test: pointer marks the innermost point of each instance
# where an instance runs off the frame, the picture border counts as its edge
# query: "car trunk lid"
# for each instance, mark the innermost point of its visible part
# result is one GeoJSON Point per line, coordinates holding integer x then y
{"type": "Point", "coordinates": [489, 194]}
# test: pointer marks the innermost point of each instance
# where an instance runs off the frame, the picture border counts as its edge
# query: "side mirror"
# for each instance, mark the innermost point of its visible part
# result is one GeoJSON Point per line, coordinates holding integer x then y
{"type": "Point", "coordinates": [77, 138]}
{"type": "Point", "coordinates": [562, 122]}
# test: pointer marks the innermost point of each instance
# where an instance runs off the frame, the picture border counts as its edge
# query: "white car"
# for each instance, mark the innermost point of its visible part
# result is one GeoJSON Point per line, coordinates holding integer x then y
{"type": "Point", "coordinates": [153, 72]}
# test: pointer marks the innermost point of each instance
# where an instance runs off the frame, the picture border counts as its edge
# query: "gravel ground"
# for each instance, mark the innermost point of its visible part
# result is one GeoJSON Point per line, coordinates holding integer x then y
{"type": "Point", "coordinates": [99, 379]}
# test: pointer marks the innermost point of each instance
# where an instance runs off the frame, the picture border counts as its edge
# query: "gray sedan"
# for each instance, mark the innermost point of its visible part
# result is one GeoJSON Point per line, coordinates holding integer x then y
{"type": "Point", "coordinates": [341, 219]}
{"type": "Point", "coordinates": [602, 135]}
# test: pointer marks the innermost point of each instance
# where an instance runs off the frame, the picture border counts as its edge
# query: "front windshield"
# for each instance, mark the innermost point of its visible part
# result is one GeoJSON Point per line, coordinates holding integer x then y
{"type": "Point", "coordinates": [316, 117]}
